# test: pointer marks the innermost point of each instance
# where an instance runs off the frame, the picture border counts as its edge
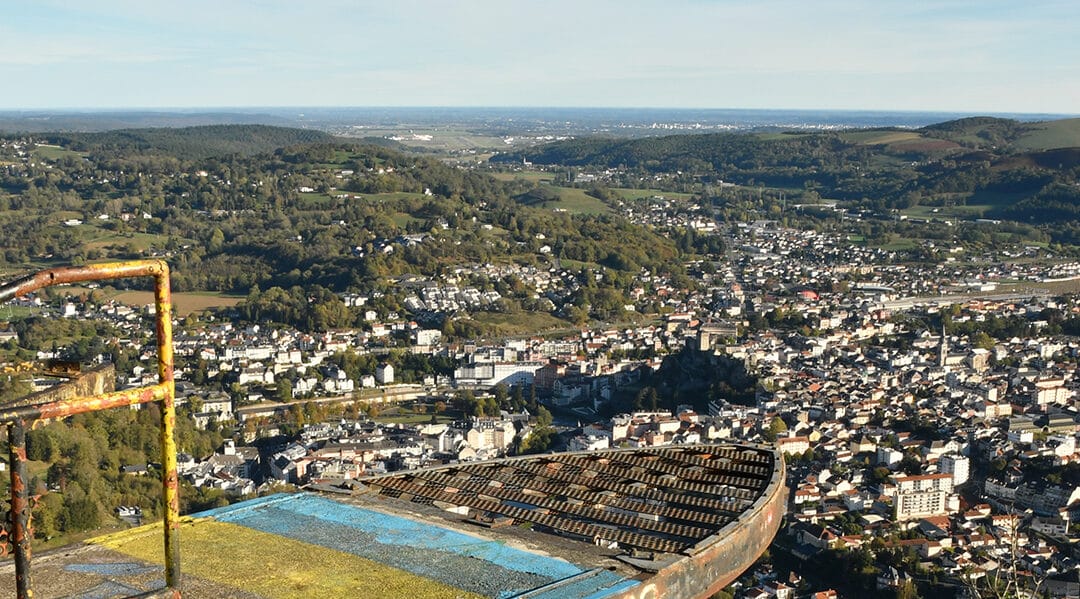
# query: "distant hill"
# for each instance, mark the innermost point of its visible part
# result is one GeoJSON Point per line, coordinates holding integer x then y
{"type": "Point", "coordinates": [1002, 168]}
{"type": "Point", "coordinates": [1007, 134]}
{"type": "Point", "coordinates": [71, 122]}
{"type": "Point", "coordinates": [191, 142]}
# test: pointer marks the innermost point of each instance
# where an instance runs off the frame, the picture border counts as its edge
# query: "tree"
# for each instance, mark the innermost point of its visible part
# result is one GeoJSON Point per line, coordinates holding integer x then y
{"type": "Point", "coordinates": [776, 426]}
{"type": "Point", "coordinates": [285, 390]}
{"type": "Point", "coordinates": [217, 240]}
{"type": "Point", "coordinates": [501, 394]}
{"type": "Point", "coordinates": [907, 590]}
{"type": "Point", "coordinates": [982, 340]}
{"type": "Point", "coordinates": [543, 418]}
{"type": "Point", "coordinates": [82, 514]}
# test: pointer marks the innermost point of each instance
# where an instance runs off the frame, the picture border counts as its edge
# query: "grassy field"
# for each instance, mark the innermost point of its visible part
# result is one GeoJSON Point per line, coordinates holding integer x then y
{"type": "Point", "coordinates": [48, 152]}
{"type": "Point", "coordinates": [965, 211]}
{"type": "Point", "coordinates": [404, 415]}
{"type": "Point", "coordinates": [9, 312]}
{"type": "Point", "coordinates": [184, 303]}
{"type": "Point", "coordinates": [874, 138]}
{"type": "Point", "coordinates": [577, 201]}
{"type": "Point", "coordinates": [966, 205]}
{"type": "Point", "coordinates": [140, 242]}
{"type": "Point", "coordinates": [531, 176]}
{"type": "Point", "coordinates": [901, 244]}
{"type": "Point", "coordinates": [521, 323]}
{"type": "Point", "coordinates": [403, 220]}
{"type": "Point", "coordinates": [1054, 134]}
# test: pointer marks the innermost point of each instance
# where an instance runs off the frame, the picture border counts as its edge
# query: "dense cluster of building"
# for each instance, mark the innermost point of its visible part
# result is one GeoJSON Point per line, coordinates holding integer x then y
{"type": "Point", "coordinates": [905, 427]}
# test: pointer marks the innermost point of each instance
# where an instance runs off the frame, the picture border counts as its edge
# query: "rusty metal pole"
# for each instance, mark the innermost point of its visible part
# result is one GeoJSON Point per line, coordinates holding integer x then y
{"type": "Point", "coordinates": [20, 509]}
{"type": "Point", "coordinates": [170, 478]}
{"type": "Point", "coordinates": [165, 391]}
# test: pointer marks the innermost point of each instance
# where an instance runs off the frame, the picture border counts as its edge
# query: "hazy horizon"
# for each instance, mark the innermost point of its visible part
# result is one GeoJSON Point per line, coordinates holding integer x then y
{"type": "Point", "coordinates": [493, 120]}
{"type": "Point", "coordinates": [958, 56]}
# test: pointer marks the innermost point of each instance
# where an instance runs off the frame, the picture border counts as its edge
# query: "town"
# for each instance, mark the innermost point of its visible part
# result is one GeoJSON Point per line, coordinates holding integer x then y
{"type": "Point", "coordinates": [928, 417]}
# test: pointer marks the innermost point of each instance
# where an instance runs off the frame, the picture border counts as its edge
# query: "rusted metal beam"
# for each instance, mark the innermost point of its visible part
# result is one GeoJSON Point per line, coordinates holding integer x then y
{"type": "Point", "coordinates": [17, 416]}
{"type": "Point", "coordinates": [20, 508]}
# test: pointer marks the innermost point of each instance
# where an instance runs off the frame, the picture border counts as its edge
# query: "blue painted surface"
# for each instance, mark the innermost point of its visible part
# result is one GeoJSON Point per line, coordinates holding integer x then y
{"type": "Point", "coordinates": [112, 568]}
{"type": "Point", "coordinates": [618, 587]}
{"type": "Point", "coordinates": [423, 548]}
{"type": "Point", "coordinates": [109, 589]}
{"type": "Point", "coordinates": [598, 586]}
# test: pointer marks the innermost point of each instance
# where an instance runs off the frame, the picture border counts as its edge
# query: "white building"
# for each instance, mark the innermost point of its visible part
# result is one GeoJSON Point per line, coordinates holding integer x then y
{"type": "Point", "coordinates": [489, 374]}
{"type": "Point", "coordinates": [425, 337]}
{"type": "Point", "coordinates": [921, 496]}
{"type": "Point", "coordinates": [956, 465]}
{"type": "Point", "coordinates": [384, 374]}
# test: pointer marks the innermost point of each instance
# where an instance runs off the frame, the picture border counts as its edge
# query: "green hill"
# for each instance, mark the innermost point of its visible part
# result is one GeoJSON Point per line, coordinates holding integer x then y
{"type": "Point", "coordinates": [191, 142]}
{"type": "Point", "coordinates": [1051, 135]}
{"type": "Point", "coordinates": [1006, 134]}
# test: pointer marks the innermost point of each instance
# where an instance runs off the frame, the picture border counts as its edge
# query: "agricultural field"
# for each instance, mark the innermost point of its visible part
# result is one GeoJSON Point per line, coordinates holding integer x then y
{"type": "Point", "coordinates": [879, 137]}
{"type": "Point", "coordinates": [531, 176]}
{"type": "Point", "coordinates": [576, 201]}
{"type": "Point", "coordinates": [1053, 134]}
{"type": "Point", "coordinates": [184, 303]}
{"type": "Point", "coordinates": [54, 153]}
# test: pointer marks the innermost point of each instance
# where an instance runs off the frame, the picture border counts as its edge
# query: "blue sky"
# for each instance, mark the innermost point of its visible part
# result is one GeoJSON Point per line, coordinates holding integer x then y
{"type": "Point", "coordinates": [949, 55]}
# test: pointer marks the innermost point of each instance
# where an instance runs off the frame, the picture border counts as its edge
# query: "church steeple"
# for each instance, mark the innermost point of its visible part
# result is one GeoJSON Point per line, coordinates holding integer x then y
{"type": "Point", "coordinates": [943, 347]}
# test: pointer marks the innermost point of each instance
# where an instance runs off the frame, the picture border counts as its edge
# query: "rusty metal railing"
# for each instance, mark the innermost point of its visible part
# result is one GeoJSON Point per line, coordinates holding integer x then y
{"type": "Point", "coordinates": [18, 417]}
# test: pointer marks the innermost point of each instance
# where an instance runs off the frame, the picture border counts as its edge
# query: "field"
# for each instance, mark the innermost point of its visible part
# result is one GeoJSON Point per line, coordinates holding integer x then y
{"type": "Point", "coordinates": [404, 415]}
{"type": "Point", "coordinates": [965, 205]}
{"type": "Point", "coordinates": [9, 312]}
{"type": "Point", "coordinates": [55, 152]}
{"type": "Point", "coordinates": [577, 201]}
{"type": "Point", "coordinates": [521, 323]}
{"type": "Point", "coordinates": [129, 242]}
{"type": "Point", "coordinates": [901, 244]}
{"type": "Point", "coordinates": [1054, 134]}
{"type": "Point", "coordinates": [873, 138]}
{"type": "Point", "coordinates": [531, 176]}
{"type": "Point", "coordinates": [184, 303]}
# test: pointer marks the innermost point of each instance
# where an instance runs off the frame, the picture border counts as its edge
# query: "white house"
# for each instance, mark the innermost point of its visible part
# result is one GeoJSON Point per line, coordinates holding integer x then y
{"type": "Point", "coordinates": [384, 374]}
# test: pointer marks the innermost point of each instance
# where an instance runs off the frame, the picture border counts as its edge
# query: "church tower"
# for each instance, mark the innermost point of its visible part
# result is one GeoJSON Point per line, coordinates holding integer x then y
{"type": "Point", "coordinates": [943, 347]}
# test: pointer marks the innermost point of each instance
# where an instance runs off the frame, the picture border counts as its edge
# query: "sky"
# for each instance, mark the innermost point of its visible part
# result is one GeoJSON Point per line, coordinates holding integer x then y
{"type": "Point", "coordinates": [977, 56]}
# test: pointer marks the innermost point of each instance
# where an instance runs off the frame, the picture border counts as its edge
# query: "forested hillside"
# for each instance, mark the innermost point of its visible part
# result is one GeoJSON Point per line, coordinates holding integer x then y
{"type": "Point", "coordinates": [189, 142]}
{"type": "Point", "coordinates": [1019, 171]}
{"type": "Point", "coordinates": [323, 217]}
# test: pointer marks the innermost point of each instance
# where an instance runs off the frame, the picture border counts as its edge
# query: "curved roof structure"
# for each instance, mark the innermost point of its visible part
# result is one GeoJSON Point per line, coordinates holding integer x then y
{"type": "Point", "coordinates": [671, 522]}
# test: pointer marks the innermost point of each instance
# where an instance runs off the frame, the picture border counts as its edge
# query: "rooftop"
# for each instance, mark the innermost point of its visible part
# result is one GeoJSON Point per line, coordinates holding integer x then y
{"type": "Point", "coordinates": [587, 525]}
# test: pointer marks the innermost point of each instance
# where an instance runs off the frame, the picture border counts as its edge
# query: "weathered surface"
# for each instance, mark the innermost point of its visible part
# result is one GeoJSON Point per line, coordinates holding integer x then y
{"type": "Point", "coordinates": [719, 560]}
{"type": "Point", "coordinates": [98, 380]}
{"type": "Point", "coordinates": [412, 545]}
